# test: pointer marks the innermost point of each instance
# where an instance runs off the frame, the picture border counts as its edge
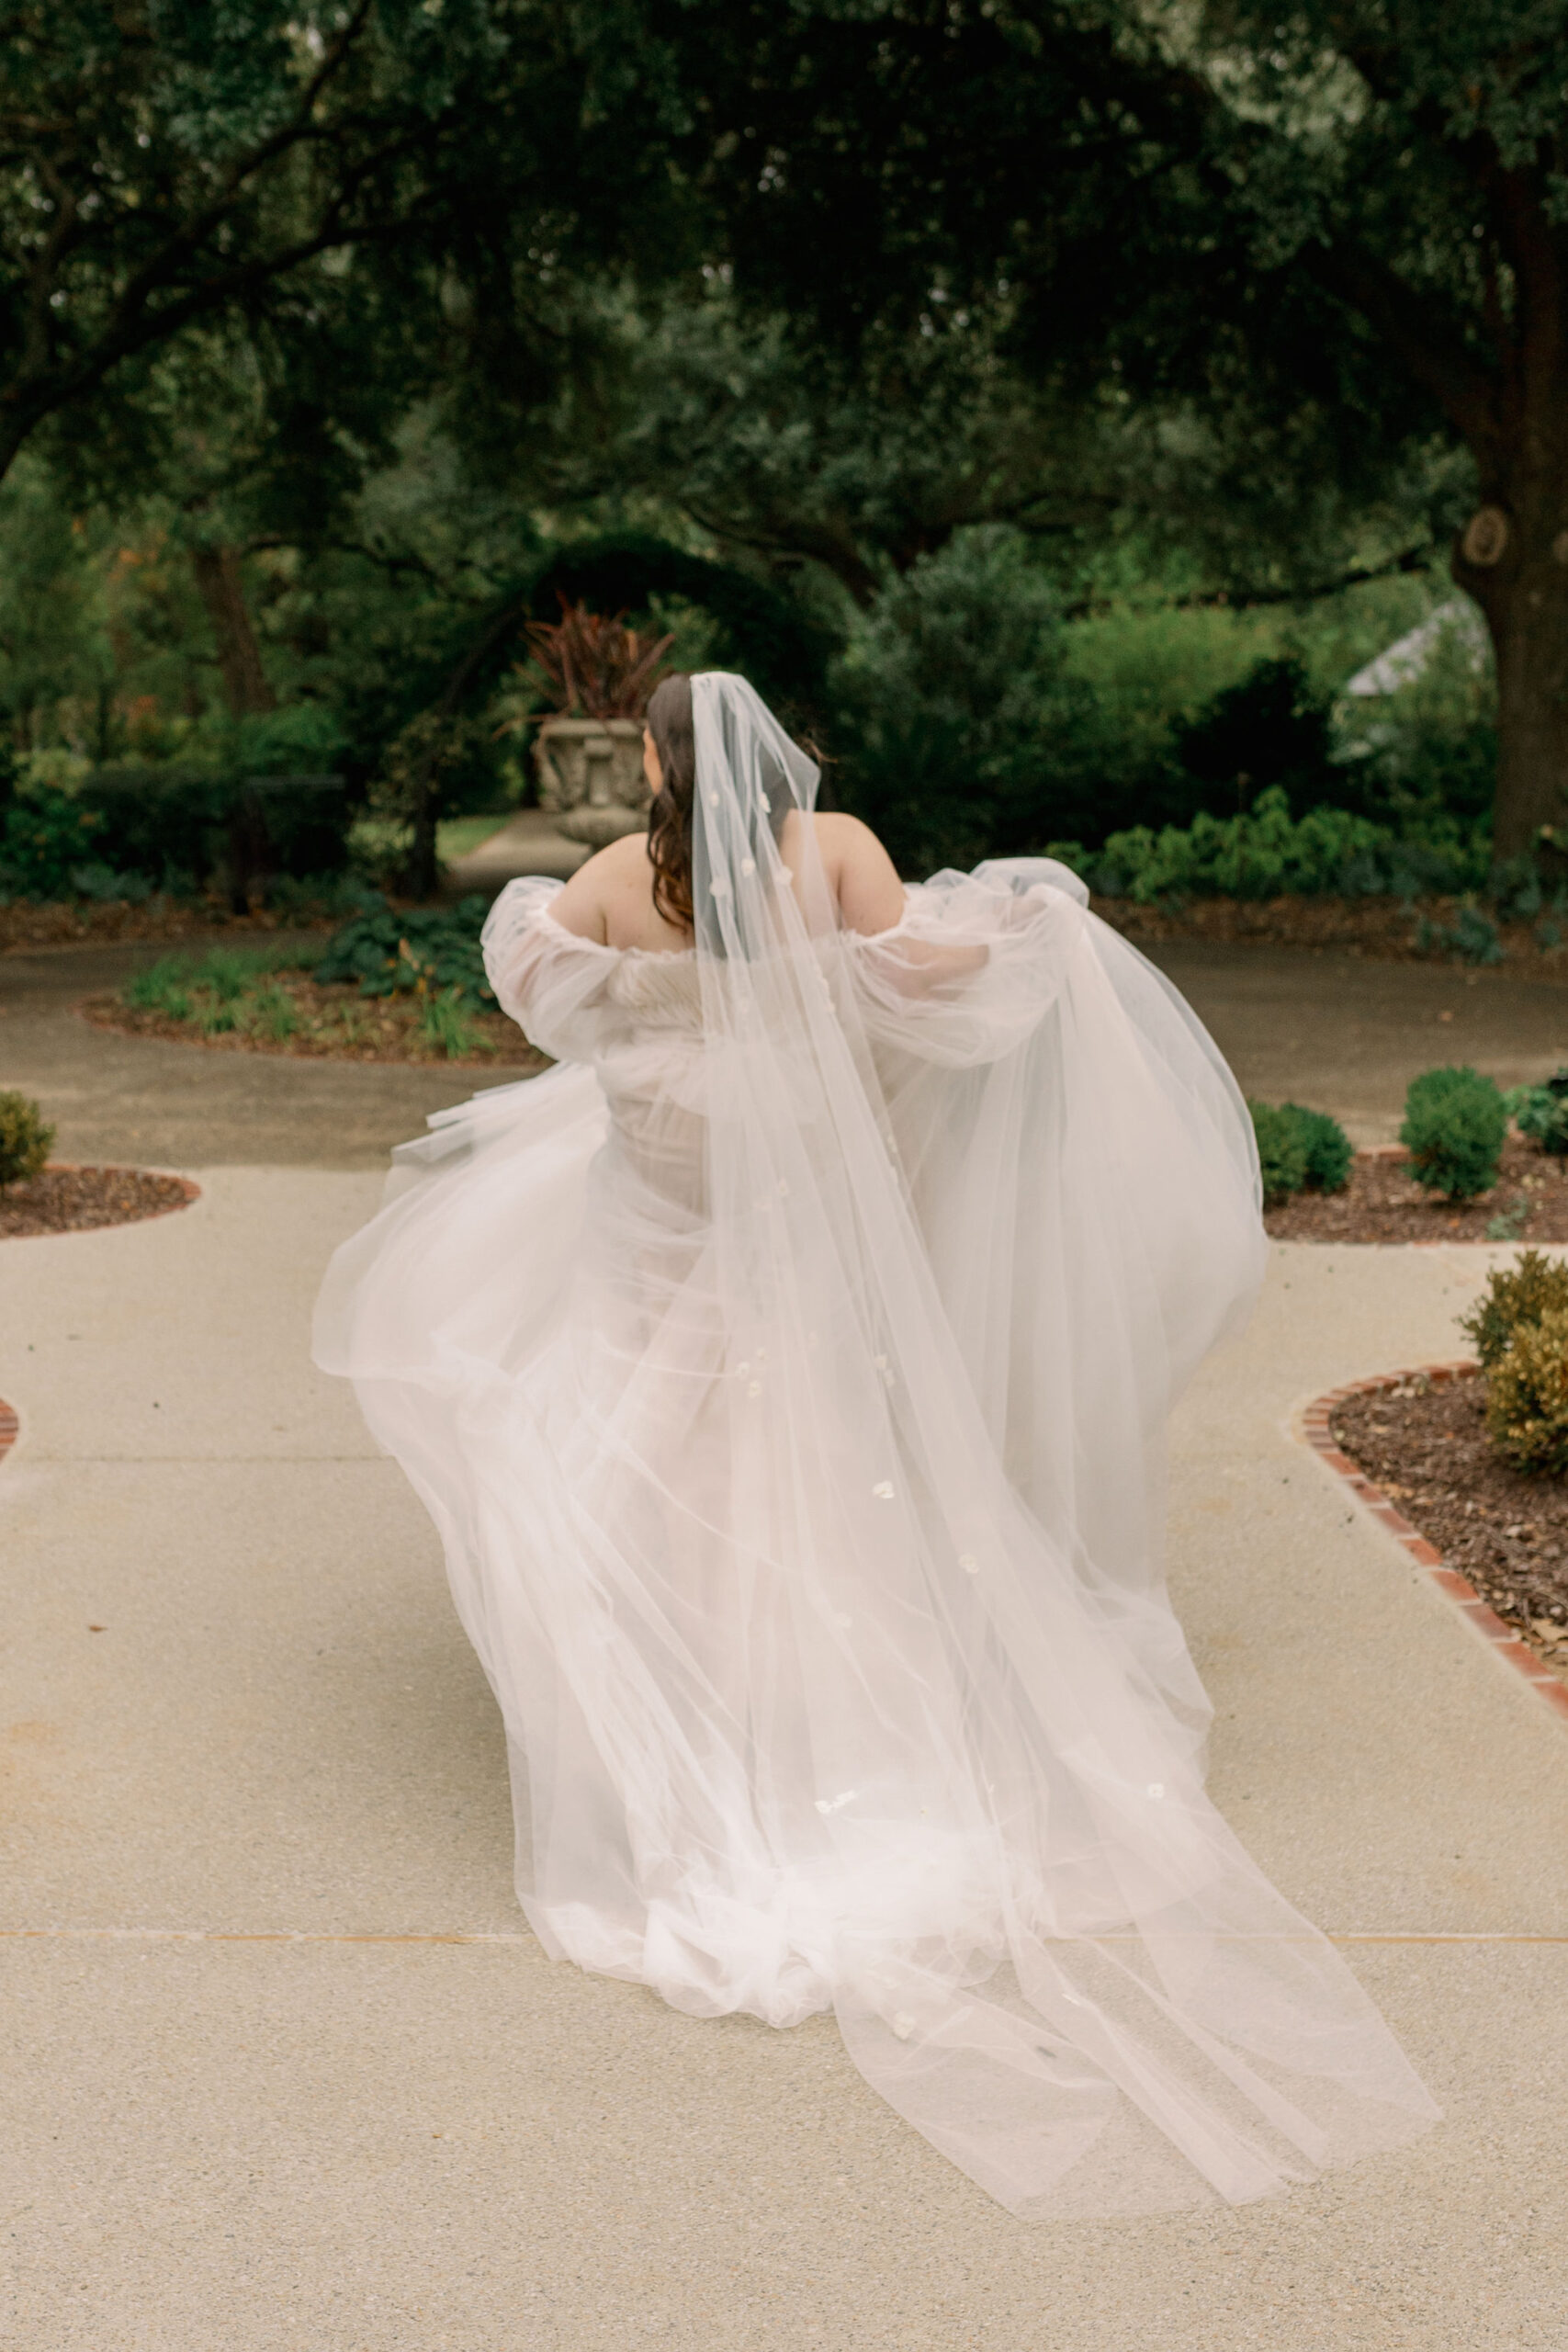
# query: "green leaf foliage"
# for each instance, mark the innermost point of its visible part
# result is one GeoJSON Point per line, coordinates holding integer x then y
{"type": "Point", "coordinates": [1298, 1148]}
{"type": "Point", "coordinates": [1266, 853]}
{"type": "Point", "coordinates": [1455, 1123]}
{"type": "Point", "coordinates": [1527, 1395]}
{"type": "Point", "coordinates": [44, 834]}
{"type": "Point", "coordinates": [1541, 1112]}
{"type": "Point", "coordinates": [433, 951]}
{"type": "Point", "coordinates": [1515, 1298]}
{"type": "Point", "coordinates": [1281, 1150]}
{"type": "Point", "coordinates": [25, 1139]}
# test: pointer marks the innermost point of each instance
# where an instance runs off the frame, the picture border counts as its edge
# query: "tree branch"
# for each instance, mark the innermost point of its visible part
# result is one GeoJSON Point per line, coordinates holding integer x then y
{"type": "Point", "coordinates": [1465, 390]}
{"type": "Point", "coordinates": [1415, 559]}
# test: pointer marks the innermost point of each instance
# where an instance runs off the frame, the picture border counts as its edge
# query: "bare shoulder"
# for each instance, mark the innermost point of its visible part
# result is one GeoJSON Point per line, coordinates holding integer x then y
{"type": "Point", "coordinates": [864, 877]}
{"type": "Point", "coordinates": [602, 881]}
{"type": "Point", "coordinates": [843, 835]}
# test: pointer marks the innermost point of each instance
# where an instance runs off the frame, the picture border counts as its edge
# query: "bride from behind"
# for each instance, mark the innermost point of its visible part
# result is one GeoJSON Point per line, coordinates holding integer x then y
{"type": "Point", "coordinates": [786, 1373]}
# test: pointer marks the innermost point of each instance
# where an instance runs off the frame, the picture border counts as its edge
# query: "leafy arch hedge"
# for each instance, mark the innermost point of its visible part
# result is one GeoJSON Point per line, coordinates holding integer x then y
{"type": "Point", "coordinates": [780, 648]}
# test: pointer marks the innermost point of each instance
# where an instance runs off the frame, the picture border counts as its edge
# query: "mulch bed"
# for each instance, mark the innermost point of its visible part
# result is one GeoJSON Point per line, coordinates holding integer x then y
{"type": "Point", "coordinates": [1383, 928]}
{"type": "Point", "coordinates": [1381, 1203]}
{"type": "Point", "coordinates": [1425, 1443]}
{"type": "Point", "coordinates": [93, 923]}
{"type": "Point", "coordinates": [74, 1200]}
{"type": "Point", "coordinates": [1380, 928]}
{"type": "Point", "coordinates": [336, 1024]}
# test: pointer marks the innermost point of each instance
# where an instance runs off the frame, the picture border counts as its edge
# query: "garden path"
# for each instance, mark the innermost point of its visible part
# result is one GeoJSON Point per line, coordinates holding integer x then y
{"type": "Point", "coordinates": [1342, 1032]}
{"type": "Point", "coordinates": [265, 2088]}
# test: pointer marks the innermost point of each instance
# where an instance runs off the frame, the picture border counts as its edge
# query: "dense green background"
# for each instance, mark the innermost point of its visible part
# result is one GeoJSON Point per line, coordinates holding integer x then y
{"type": "Point", "coordinates": [1050, 407]}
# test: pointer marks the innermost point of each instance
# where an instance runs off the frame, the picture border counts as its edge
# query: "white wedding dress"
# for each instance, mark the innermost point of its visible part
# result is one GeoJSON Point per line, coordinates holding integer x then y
{"type": "Point", "coordinates": [786, 1373]}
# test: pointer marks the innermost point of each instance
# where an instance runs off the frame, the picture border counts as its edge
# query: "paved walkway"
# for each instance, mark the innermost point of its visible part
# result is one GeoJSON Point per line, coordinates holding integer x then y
{"type": "Point", "coordinates": [264, 2093]}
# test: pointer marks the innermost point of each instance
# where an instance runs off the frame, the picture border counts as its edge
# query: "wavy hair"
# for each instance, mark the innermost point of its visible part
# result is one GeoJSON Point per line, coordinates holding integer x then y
{"type": "Point", "coordinates": [669, 721]}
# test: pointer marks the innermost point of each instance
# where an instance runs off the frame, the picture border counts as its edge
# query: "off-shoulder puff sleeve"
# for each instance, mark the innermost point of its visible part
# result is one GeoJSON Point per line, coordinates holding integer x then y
{"type": "Point", "coordinates": [551, 982]}
{"type": "Point", "coordinates": [974, 964]}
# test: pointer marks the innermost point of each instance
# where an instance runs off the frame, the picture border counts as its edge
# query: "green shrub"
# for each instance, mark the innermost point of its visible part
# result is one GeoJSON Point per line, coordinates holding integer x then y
{"type": "Point", "coordinates": [1297, 1147]}
{"type": "Point", "coordinates": [1267, 853]}
{"type": "Point", "coordinates": [1515, 1298]}
{"type": "Point", "coordinates": [46, 833]}
{"type": "Point", "coordinates": [958, 732]}
{"type": "Point", "coordinates": [1471, 938]}
{"type": "Point", "coordinates": [1329, 1150]}
{"type": "Point", "coordinates": [431, 950]}
{"type": "Point", "coordinates": [1541, 1112]}
{"type": "Point", "coordinates": [1455, 1123]}
{"type": "Point", "coordinates": [25, 1139]}
{"type": "Point", "coordinates": [1281, 1150]}
{"type": "Point", "coordinates": [1527, 1395]}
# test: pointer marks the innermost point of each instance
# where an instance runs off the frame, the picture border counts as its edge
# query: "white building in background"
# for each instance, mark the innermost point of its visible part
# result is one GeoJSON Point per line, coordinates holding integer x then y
{"type": "Point", "coordinates": [1400, 663]}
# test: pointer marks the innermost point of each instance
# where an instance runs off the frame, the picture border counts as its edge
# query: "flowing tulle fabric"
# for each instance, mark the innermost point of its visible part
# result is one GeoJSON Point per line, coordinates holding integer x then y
{"type": "Point", "coordinates": [786, 1373]}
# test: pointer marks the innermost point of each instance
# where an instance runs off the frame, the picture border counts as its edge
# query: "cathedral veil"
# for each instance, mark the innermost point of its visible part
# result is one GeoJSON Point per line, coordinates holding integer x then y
{"type": "Point", "coordinates": [786, 1375]}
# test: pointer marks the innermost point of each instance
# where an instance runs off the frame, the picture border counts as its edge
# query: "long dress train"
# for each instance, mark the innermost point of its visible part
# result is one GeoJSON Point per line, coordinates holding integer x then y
{"type": "Point", "coordinates": [786, 1373]}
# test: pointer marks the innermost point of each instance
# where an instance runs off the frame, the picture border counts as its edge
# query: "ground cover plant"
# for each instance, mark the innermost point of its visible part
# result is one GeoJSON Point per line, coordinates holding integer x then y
{"type": "Point", "coordinates": [391, 986]}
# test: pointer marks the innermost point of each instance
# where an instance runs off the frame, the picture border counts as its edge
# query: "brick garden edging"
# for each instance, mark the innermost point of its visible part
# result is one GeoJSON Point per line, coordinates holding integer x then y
{"type": "Point", "coordinates": [1312, 1426]}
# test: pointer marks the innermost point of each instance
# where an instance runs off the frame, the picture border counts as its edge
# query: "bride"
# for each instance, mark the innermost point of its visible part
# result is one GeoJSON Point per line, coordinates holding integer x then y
{"type": "Point", "coordinates": [786, 1373]}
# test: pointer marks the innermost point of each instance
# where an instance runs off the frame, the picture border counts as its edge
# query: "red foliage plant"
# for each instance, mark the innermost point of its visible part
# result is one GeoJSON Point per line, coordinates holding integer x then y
{"type": "Point", "coordinates": [598, 667]}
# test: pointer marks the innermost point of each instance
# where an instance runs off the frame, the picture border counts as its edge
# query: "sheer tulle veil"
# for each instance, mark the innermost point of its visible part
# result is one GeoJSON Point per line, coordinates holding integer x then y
{"type": "Point", "coordinates": [786, 1373]}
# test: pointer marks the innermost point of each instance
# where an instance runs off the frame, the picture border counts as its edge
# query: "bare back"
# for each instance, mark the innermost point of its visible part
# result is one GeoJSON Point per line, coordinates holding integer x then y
{"type": "Point", "coordinates": [611, 898]}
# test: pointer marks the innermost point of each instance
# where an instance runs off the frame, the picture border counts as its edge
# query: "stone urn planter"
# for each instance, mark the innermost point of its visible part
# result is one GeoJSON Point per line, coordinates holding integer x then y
{"type": "Point", "coordinates": [591, 778]}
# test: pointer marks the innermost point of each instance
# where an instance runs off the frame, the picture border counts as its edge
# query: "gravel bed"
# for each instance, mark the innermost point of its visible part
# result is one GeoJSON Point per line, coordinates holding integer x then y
{"type": "Point", "coordinates": [1381, 1203]}
{"type": "Point", "coordinates": [1425, 1445]}
{"type": "Point", "coordinates": [74, 1200]}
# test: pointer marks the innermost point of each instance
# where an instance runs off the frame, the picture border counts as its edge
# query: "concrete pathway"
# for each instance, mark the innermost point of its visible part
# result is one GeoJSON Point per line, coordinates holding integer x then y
{"type": "Point", "coordinates": [526, 843]}
{"type": "Point", "coordinates": [173, 1105]}
{"type": "Point", "coordinates": [286, 2069]}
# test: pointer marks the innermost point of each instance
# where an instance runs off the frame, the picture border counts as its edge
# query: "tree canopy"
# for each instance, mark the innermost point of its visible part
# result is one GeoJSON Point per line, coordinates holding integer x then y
{"type": "Point", "coordinates": [1346, 222]}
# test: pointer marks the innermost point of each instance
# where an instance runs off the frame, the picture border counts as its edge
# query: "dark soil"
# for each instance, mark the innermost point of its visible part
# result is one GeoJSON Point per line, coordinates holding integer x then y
{"type": "Point", "coordinates": [1425, 1445]}
{"type": "Point", "coordinates": [1381, 1203]}
{"type": "Point", "coordinates": [1381, 928]}
{"type": "Point", "coordinates": [336, 1024]}
{"type": "Point", "coordinates": [74, 1200]}
{"type": "Point", "coordinates": [97, 922]}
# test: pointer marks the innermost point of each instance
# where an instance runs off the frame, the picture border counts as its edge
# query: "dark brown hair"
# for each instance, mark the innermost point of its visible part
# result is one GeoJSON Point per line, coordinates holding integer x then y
{"type": "Point", "coordinates": [669, 721]}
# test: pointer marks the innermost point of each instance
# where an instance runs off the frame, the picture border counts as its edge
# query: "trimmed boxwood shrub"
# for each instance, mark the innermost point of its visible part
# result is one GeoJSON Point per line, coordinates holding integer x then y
{"type": "Point", "coordinates": [1527, 1395]}
{"type": "Point", "coordinates": [1297, 1147]}
{"type": "Point", "coordinates": [1455, 1123]}
{"type": "Point", "coordinates": [1515, 1298]}
{"type": "Point", "coordinates": [25, 1139]}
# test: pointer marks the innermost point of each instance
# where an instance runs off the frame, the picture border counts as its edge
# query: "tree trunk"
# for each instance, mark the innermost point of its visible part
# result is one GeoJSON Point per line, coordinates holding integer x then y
{"type": "Point", "coordinates": [1512, 558]}
{"type": "Point", "coordinates": [223, 591]}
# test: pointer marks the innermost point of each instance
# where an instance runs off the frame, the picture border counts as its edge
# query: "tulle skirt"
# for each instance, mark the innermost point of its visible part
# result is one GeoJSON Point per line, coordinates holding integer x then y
{"type": "Point", "coordinates": [805, 1515]}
